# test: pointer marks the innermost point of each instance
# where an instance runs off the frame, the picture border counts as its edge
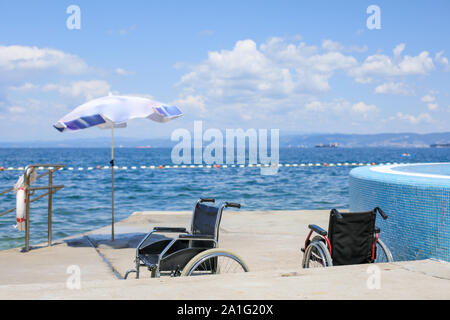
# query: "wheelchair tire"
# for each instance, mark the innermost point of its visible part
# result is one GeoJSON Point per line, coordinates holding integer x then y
{"type": "Point", "coordinates": [214, 261]}
{"type": "Point", "coordinates": [383, 254]}
{"type": "Point", "coordinates": [317, 255]}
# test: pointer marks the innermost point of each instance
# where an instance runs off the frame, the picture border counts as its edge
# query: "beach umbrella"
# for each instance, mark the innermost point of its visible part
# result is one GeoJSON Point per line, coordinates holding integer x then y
{"type": "Point", "coordinates": [114, 112]}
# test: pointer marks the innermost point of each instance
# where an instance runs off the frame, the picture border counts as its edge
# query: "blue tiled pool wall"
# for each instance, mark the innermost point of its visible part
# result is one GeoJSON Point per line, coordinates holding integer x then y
{"type": "Point", "coordinates": [418, 226]}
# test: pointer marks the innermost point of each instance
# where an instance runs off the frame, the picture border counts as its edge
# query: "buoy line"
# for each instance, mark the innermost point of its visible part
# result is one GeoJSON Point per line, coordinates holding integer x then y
{"type": "Point", "coordinates": [208, 166]}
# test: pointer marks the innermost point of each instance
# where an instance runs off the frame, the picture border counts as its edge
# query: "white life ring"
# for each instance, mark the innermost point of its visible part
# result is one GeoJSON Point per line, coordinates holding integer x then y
{"type": "Point", "coordinates": [20, 208]}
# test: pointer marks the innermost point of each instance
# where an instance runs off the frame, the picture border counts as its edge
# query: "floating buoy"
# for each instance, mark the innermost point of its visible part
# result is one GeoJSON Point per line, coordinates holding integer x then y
{"type": "Point", "coordinates": [20, 208]}
{"type": "Point", "coordinates": [161, 167]}
{"type": "Point", "coordinates": [2, 169]}
{"type": "Point", "coordinates": [98, 167]}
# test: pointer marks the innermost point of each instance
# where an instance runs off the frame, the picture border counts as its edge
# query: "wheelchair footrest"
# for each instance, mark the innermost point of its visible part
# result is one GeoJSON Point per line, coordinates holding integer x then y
{"type": "Point", "coordinates": [150, 260]}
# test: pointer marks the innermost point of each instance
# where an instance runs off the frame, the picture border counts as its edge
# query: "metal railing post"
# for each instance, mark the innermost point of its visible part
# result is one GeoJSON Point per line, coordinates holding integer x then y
{"type": "Point", "coordinates": [27, 221]}
{"type": "Point", "coordinates": [50, 198]}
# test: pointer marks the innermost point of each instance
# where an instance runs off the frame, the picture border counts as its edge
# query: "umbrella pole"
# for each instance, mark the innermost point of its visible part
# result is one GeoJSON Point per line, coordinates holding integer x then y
{"type": "Point", "coordinates": [112, 183]}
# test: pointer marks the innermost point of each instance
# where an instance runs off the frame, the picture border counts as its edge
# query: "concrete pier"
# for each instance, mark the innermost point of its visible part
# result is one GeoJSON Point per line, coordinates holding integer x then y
{"type": "Point", "coordinates": [268, 241]}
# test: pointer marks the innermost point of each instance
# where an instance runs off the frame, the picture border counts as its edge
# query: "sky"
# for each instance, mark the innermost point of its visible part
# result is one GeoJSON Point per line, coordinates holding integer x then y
{"type": "Point", "coordinates": [297, 66]}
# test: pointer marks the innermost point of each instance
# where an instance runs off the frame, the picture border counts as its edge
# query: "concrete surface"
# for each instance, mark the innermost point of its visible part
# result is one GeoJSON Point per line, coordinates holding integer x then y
{"type": "Point", "coordinates": [268, 241]}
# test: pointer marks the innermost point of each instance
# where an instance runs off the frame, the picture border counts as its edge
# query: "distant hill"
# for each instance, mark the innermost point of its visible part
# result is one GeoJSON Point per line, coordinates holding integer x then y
{"type": "Point", "coordinates": [368, 140]}
{"type": "Point", "coordinates": [413, 140]}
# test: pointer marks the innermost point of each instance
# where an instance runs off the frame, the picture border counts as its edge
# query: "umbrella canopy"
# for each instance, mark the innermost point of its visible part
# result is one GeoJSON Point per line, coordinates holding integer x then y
{"type": "Point", "coordinates": [114, 112]}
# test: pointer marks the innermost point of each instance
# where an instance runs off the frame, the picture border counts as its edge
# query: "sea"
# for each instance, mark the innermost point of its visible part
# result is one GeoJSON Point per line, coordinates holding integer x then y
{"type": "Point", "coordinates": [85, 202]}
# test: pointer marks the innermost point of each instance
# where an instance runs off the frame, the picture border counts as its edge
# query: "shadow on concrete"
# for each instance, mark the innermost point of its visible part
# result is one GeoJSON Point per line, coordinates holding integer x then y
{"type": "Point", "coordinates": [121, 241]}
{"type": "Point", "coordinates": [35, 247]}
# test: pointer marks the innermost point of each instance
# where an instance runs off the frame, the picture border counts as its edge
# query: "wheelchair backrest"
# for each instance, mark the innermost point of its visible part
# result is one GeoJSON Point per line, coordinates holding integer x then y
{"type": "Point", "coordinates": [351, 236]}
{"type": "Point", "coordinates": [206, 220]}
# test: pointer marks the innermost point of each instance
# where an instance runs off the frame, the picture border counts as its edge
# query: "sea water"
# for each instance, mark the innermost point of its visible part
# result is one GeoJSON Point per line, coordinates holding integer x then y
{"type": "Point", "coordinates": [85, 202]}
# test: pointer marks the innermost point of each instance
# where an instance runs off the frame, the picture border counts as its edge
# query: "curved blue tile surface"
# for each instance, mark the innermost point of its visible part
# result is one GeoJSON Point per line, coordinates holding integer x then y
{"type": "Point", "coordinates": [416, 198]}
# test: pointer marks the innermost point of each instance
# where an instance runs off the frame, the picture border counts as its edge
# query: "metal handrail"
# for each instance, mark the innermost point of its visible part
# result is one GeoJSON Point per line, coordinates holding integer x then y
{"type": "Point", "coordinates": [29, 191]}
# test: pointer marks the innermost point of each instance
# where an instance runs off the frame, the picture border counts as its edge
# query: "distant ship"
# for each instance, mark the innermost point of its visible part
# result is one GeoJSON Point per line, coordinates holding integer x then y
{"type": "Point", "coordinates": [143, 147]}
{"type": "Point", "coordinates": [440, 145]}
{"type": "Point", "coordinates": [328, 145]}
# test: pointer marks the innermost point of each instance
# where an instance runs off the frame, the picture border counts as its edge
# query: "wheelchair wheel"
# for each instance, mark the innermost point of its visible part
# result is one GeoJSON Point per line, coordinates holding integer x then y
{"type": "Point", "coordinates": [214, 261]}
{"type": "Point", "coordinates": [382, 254]}
{"type": "Point", "coordinates": [317, 254]}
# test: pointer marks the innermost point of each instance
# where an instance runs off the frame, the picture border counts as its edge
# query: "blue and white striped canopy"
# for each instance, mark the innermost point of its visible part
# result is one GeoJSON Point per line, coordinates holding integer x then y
{"type": "Point", "coordinates": [115, 111]}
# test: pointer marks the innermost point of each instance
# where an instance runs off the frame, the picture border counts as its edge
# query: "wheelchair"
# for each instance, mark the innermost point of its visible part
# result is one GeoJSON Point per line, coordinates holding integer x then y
{"type": "Point", "coordinates": [190, 253]}
{"type": "Point", "coordinates": [352, 238]}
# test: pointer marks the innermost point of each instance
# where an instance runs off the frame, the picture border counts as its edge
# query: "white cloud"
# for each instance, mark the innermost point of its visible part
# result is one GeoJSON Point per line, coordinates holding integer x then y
{"type": "Point", "coordinates": [439, 57]}
{"type": "Point", "coordinates": [399, 49]}
{"type": "Point", "coordinates": [385, 66]}
{"type": "Point", "coordinates": [191, 103]}
{"type": "Point", "coordinates": [363, 108]}
{"type": "Point", "coordinates": [16, 109]}
{"type": "Point", "coordinates": [261, 77]}
{"type": "Point", "coordinates": [141, 95]}
{"type": "Point", "coordinates": [432, 106]}
{"type": "Point", "coordinates": [315, 105]}
{"type": "Point", "coordinates": [331, 45]}
{"type": "Point", "coordinates": [338, 115]}
{"type": "Point", "coordinates": [86, 89]}
{"type": "Point", "coordinates": [423, 117]}
{"type": "Point", "coordinates": [342, 107]}
{"type": "Point", "coordinates": [25, 87]}
{"type": "Point", "coordinates": [123, 72]}
{"type": "Point", "coordinates": [18, 58]}
{"type": "Point", "coordinates": [398, 88]}
{"type": "Point", "coordinates": [430, 100]}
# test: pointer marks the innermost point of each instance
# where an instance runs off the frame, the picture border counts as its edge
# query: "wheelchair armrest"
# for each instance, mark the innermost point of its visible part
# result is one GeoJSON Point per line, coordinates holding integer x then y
{"type": "Point", "coordinates": [169, 229]}
{"type": "Point", "coordinates": [317, 230]}
{"type": "Point", "coordinates": [196, 236]}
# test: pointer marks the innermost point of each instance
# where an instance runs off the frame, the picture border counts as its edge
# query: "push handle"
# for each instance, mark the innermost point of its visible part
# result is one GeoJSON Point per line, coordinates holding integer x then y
{"type": "Point", "coordinates": [337, 213]}
{"type": "Point", "coordinates": [207, 200]}
{"type": "Point", "coordinates": [232, 205]}
{"type": "Point", "coordinates": [381, 212]}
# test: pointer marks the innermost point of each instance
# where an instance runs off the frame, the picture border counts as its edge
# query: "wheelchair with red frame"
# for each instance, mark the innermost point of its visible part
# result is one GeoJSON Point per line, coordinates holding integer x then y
{"type": "Point", "coordinates": [352, 238]}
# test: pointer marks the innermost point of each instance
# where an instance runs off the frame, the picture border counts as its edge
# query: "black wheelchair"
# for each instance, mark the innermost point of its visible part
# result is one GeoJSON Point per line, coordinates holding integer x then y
{"type": "Point", "coordinates": [352, 238]}
{"type": "Point", "coordinates": [190, 253]}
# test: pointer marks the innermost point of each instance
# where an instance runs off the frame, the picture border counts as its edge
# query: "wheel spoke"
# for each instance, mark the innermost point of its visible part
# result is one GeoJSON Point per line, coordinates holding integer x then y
{"type": "Point", "coordinates": [382, 253]}
{"type": "Point", "coordinates": [218, 263]}
{"type": "Point", "coordinates": [316, 255]}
